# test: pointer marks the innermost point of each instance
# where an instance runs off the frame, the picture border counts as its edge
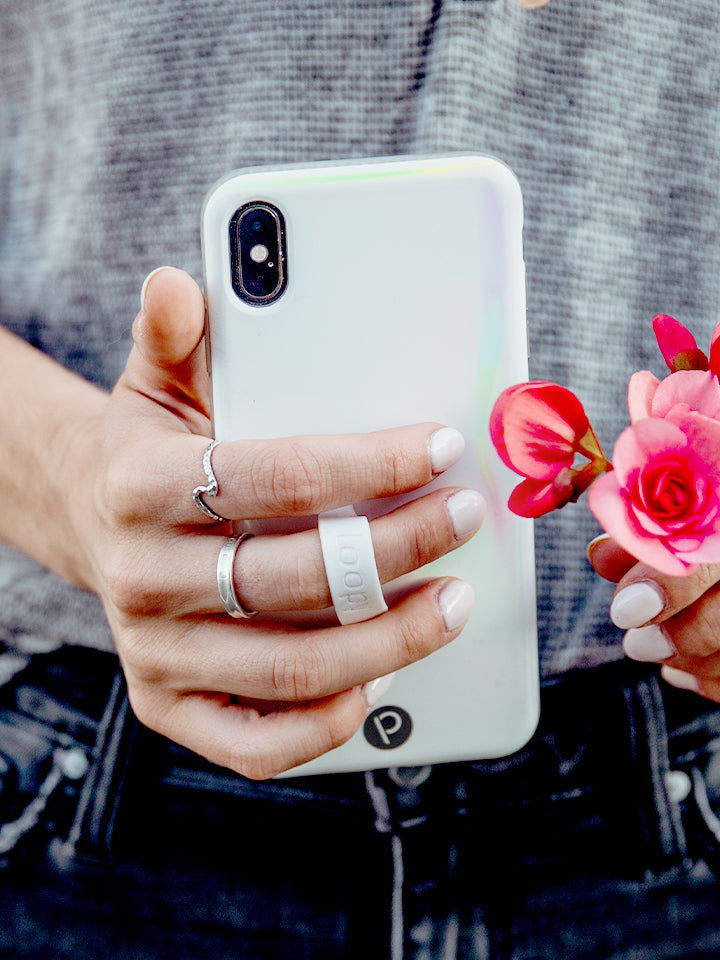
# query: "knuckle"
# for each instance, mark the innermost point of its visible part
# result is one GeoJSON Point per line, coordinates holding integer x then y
{"type": "Point", "coordinates": [252, 763]}
{"type": "Point", "coordinates": [144, 661]}
{"type": "Point", "coordinates": [149, 708]}
{"type": "Point", "coordinates": [339, 730]}
{"type": "Point", "coordinates": [424, 544]}
{"type": "Point", "coordinates": [132, 586]}
{"type": "Point", "coordinates": [298, 675]}
{"type": "Point", "coordinates": [706, 627]}
{"type": "Point", "coordinates": [308, 585]}
{"type": "Point", "coordinates": [117, 496]}
{"type": "Point", "coordinates": [291, 481]}
{"type": "Point", "coordinates": [707, 575]}
{"type": "Point", "coordinates": [402, 471]}
{"type": "Point", "coordinates": [414, 639]}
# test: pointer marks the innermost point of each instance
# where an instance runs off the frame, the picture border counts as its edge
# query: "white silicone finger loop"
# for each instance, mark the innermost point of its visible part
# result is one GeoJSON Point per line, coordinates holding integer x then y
{"type": "Point", "coordinates": [350, 566]}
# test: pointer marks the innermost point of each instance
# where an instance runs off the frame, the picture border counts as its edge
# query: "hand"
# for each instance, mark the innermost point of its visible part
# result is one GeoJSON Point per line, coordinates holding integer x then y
{"type": "Point", "coordinates": [670, 620]}
{"type": "Point", "coordinates": [257, 696]}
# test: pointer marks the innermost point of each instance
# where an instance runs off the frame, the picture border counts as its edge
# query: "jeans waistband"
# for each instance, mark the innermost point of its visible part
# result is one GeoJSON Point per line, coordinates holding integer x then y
{"type": "Point", "coordinates": [613, 744]}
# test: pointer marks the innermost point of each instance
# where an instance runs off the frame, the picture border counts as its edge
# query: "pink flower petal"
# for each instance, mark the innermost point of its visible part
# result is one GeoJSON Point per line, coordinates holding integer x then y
{"type": "Point", "coordinates": [677, 344]}
{"type": "Point", "coordinates": [646, 440]}
{"type": "Point", "coordinates": [536, 428]}
{"type": "Point", "coordinates": [672, 337]}
{"type": "Point", "coordinates": [703, 435]}
{"type": "Point", "coordinates": [707, 552]}
{"type": "Point", "coordinates": [686, 545]}
{"type": "Point", "coordinates": [715, 351]}
{"type": "Point", "coordinates": [641, 391]}
{"type": "Point", "coordinates": [646, 523]}
{"type": "Point", "coordinates": [534, 498]}
{"type": "Point", "coordinates": [698, 389]}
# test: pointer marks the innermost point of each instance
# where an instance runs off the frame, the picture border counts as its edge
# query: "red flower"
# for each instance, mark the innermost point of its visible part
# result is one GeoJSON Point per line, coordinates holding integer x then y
{"type": "Point", "coordinates": [677, 345]}
{"type": "Point", "coordinates": [538, 429]}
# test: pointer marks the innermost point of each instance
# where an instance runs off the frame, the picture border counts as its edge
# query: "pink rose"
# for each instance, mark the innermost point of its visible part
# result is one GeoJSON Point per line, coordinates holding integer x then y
{"type": "Point", "coordinates": [662, 500]}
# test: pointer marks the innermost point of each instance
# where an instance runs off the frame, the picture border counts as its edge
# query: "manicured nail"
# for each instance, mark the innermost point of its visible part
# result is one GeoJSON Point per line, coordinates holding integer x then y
{"type": "Point", "coordinates": [456, 601]}
{"type": "Point", "coordinates": [594, 543]}
{"type": "Point", "coordinates": [146, 284]}
{"type": "Point", "coordinates": [680, 679]}
{"type": "Point", "coordinates": [466, 510]}
{"type": "Point", "coordinates": [648, 644]}
{"type": "Point", "coordinates": [633, 606]}
{"type": "Point", "coordinates": [373, 690]}
{"type": "Point", "coordinates": [446, 448]}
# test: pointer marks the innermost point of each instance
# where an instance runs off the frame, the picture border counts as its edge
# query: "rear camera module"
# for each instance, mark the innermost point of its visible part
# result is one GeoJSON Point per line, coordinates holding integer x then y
{"type": "Point", "coordinates": [257, 249]}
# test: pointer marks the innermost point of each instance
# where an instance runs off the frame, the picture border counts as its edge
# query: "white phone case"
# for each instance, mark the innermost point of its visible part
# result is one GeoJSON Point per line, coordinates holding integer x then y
{"type": "Point", "coordinates": [405, 302]}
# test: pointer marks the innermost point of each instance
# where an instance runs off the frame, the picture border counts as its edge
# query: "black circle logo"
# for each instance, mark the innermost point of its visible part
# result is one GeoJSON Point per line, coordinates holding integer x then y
{"type": "Point", "coordinates": [388, 727]}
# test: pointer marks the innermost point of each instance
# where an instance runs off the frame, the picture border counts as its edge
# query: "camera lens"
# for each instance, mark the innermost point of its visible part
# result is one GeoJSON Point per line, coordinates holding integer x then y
{"type": "Point", "coordinates": [257, 244]}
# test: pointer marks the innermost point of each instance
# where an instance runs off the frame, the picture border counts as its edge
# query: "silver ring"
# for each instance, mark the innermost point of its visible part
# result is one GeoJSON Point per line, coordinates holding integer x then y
{"type": "Point", "coordinates": [210, 488]}
{"type": "Point", "coordinates": [225, 579]}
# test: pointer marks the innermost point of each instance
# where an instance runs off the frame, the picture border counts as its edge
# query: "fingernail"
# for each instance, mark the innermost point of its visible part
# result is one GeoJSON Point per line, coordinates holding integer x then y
{"type": "Point", "coordinates": [633, 606]}
{"type": "Point", "coordinates": [680, 679]}
{"type": "Point", "coordinates": [466, 510]}
{"type": "Point", "coordinates": [146, 284]}
{"type": "Point", "coordinates": [456, 601]}
{"type": "Point", "coordinates": [648, 644]}
{"type": "Point", "coordinates": [373, 690]}
{"type": "Point", "coordinates": [594, 543]}
{"type": "Point", "coordinates": [446, 448]}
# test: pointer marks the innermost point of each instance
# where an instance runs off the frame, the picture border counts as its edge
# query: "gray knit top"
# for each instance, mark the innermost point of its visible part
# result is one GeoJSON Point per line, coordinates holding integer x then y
{"type": "Point", "coordinates": [117, 115]}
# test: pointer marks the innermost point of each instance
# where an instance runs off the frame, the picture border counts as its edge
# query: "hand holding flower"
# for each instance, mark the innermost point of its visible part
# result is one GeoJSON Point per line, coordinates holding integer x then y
{"type": "Point", "coordinates": [674, 621]}
{"type": "Point", "coordinates": [659, 497]}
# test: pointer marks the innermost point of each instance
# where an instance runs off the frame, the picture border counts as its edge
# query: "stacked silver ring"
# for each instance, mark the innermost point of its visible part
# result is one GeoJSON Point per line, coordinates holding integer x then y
{"type": "Point", "coordinates": [210, 488]}
{"type": "Point", "coordinates": [226, 580]}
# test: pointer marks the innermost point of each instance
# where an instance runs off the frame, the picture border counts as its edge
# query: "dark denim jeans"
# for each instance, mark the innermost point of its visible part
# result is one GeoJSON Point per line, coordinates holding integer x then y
{"type": "Point", "coordinates": [597, 841]}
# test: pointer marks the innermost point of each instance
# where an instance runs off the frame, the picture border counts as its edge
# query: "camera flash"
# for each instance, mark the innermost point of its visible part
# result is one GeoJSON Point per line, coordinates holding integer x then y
{"type": "Point", "coordinates": [259, 253]}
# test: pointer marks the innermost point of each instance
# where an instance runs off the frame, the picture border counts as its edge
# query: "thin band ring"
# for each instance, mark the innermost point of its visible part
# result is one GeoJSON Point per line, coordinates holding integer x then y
{"type": "Point", "coordinates": [225, 579]}
{"type": "Point", "coordinates": [210, 488]}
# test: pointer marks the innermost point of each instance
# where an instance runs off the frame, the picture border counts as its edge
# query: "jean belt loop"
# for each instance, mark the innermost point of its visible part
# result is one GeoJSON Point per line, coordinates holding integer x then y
{"type": "Point", "coordinates": [91, 833]}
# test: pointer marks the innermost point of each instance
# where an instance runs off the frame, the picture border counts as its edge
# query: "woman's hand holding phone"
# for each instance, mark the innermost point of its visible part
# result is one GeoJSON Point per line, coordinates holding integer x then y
{"type": "Point", "coordinates": [255, 695]}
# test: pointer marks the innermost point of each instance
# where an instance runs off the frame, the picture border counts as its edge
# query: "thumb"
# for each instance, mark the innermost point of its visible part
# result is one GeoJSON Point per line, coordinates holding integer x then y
{"type": "Point", "coordinates": [169, 356]}
{"type": "Point", "coordinates": [609, 559]}
{"type": "Point", "coordinates": [170, 324]}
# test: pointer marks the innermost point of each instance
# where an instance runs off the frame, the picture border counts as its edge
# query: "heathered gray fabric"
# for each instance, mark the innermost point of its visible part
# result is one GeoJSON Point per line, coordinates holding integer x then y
{"type": "Point", "coordinates": [117, 115]}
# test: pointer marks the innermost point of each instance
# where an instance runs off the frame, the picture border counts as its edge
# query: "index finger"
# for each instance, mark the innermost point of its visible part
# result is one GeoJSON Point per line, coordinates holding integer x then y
{"type": "Point", "coordinates": [299, 476]}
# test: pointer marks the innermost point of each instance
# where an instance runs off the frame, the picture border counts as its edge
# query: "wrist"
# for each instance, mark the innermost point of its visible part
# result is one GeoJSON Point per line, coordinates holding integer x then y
{"type": "Point", "coordinates": [78, 447]}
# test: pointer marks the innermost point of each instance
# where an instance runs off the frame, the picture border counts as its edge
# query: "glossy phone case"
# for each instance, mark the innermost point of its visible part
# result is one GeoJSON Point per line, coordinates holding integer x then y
{"type": "Point", "coordinates": [405, 302]}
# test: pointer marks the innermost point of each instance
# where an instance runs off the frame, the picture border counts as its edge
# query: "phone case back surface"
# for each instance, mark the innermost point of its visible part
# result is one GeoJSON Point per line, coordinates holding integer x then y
{"type": "Point", "coordinates": [405, 302]}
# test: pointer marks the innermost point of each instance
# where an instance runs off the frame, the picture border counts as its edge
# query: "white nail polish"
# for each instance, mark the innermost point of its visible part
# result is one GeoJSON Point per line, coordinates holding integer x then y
{"type": "Point", "coordinates": [648, 644]}
{"type": "Point", "coordinates": [446, 448]}
{"type": "Point", "coordinates": [466, 510]}
{"type": "Point", "coordinates": [456, 601]}
{"type": "Point", "coordinates": [373, 690]}
{"type": "Point", "coordinates": [634, 605]}
{"type": "Point", "coordinates": [680, 679]}
{"type": "Point", "coordinates": [146, 284]}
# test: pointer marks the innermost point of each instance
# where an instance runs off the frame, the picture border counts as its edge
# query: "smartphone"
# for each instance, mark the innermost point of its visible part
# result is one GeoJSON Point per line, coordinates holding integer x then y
{"type": "Point", "coordinates": [353, 296]}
